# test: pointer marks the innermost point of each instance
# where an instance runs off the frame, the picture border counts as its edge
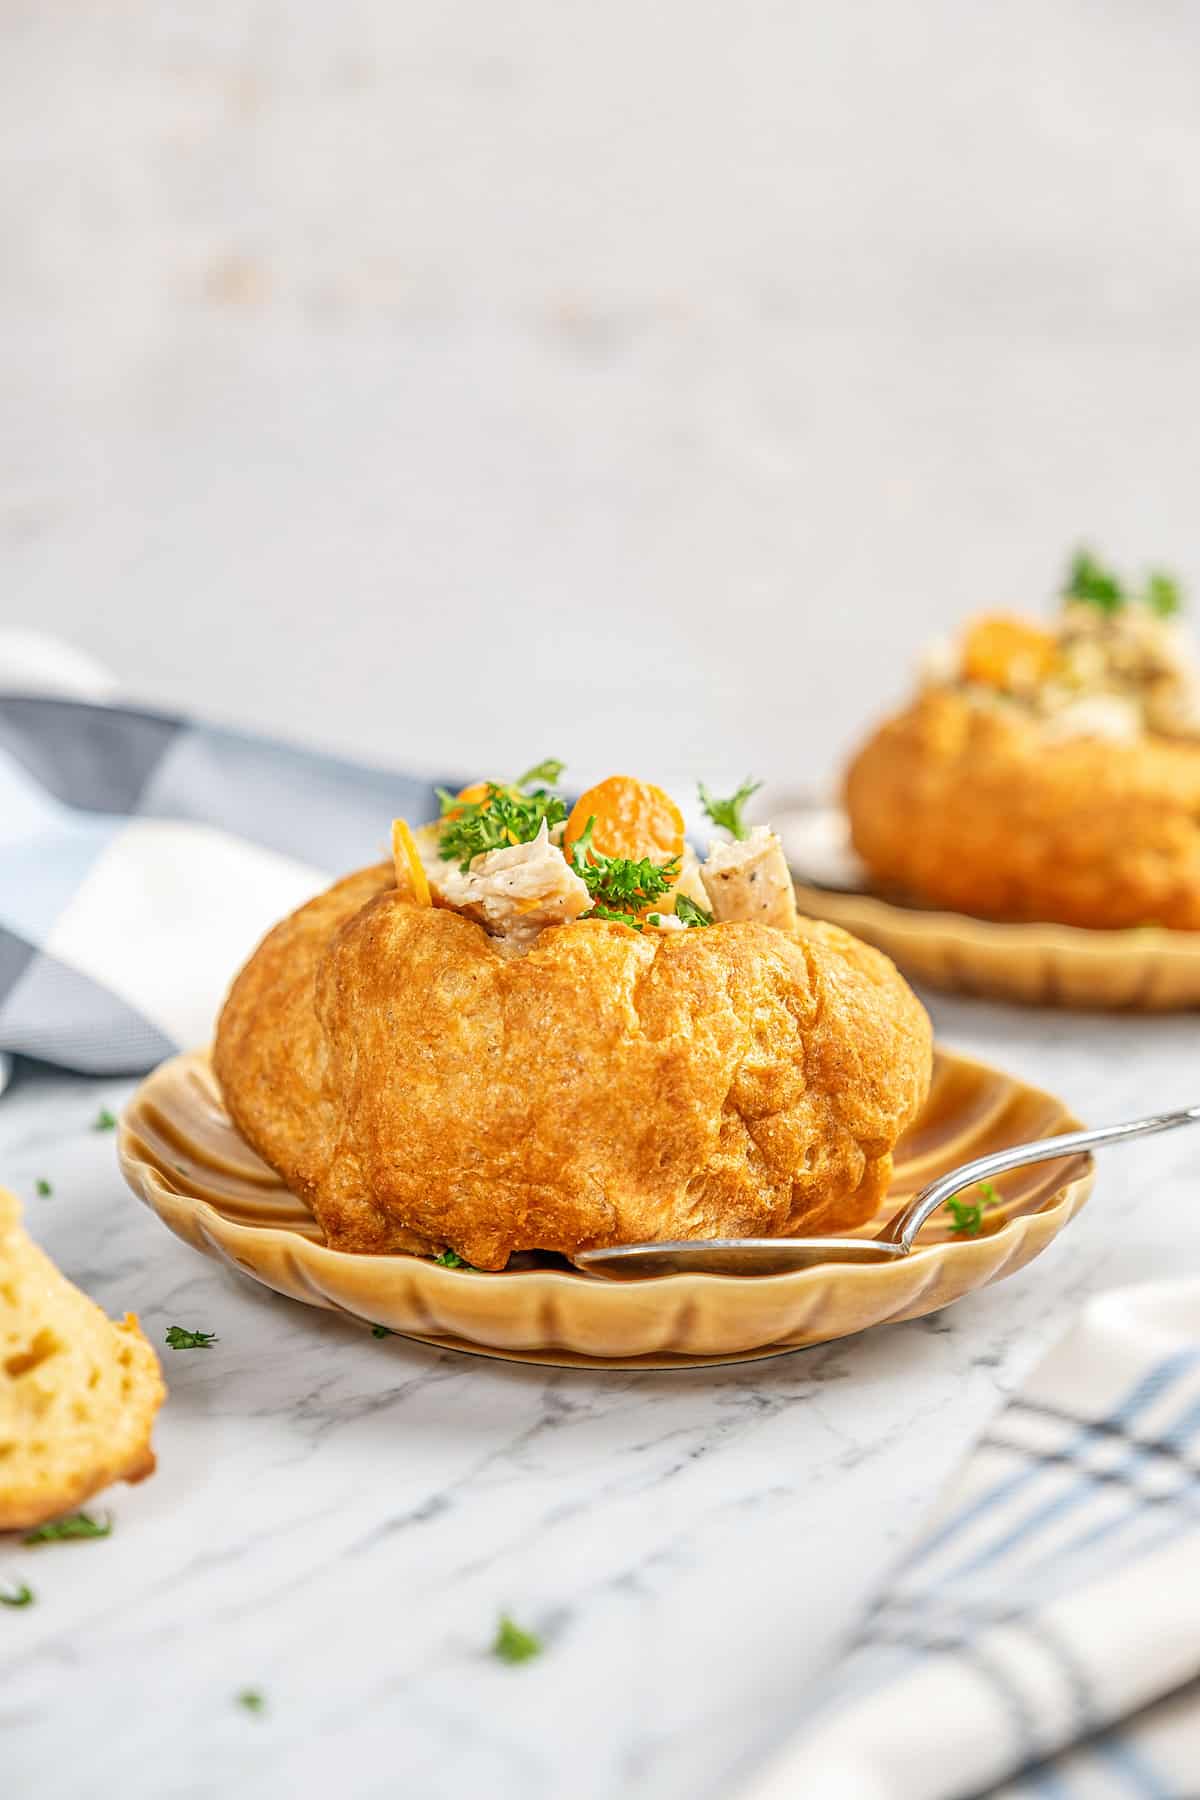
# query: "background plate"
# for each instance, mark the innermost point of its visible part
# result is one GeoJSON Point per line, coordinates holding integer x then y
{"type": "Point", "coordinates": [181, 1155]}
{"type": "Point", "coordinates": [1144, 970]}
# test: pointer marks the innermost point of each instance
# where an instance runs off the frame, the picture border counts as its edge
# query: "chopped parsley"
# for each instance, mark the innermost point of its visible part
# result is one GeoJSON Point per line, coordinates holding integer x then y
{"type": "Point", "coordinates": [17, 1596]}
{"type": "Point", "coordinates": [43, 1187]}
{"type": "Point", "coordinates": [691, 914]}
{"type": "Point", "coordinates": [252, 1701]}
{"type": "Point", "coordinates": [617, 918]}
{"type": "Point", "coordinates": [512, 1645]}
{"type": "Point", "coordinates": [1163, 595]}
{"type": "Point", "coordinates": [76, 1525]}
{"type": "Point", "coordinates": [548, 773]}
{"type": "Point", "coordinates": [621, 887]}
{"type": "Point", "coordinates": [104, 1120]}
{"type": "Point", "coordinates": [178, 1338]}
{"type": "Point", "coordinates": [381, 1331]}
{"type": "Point", "coordinates": [1088, 580]}
{"type": "Point", "coordinates": [968, 1214]}
{"type": "Point", "coordinates": [729, 813]}
{"type": "Point", "coordinates": [450, 1259]}
{"type": "Point", "coordinates": [505, 816]}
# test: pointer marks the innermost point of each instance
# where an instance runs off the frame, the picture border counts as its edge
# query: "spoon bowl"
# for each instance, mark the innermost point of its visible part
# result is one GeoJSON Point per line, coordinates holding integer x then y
{"type": "Point", "coordinates": [781, 1256]}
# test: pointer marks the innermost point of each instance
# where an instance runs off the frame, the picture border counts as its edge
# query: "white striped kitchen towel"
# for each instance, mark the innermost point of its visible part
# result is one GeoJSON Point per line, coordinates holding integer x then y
{"type": "Point", "coordinates": [1043, 1638]}
{"type": "Point", "coordinates": [142, 856]}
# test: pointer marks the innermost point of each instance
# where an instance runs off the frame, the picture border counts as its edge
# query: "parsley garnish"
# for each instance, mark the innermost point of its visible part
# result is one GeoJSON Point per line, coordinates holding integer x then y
{"type": "Point", "coordinates": [18, 1596]}
{"type": "Point", "coordinates": [180, 1339]}
{"type": "Point", "coordinates": [381, 1331]}
{"type": "Point", "coordinates": [728, 813]}
{"type": "Point", "coordinates": [512, 1645]}
{"type": "Point", "coordinates": [43, 1187]}
{"type": "Point", "coordinates": [691, 914]}
{"type": "Point", "coordinates": [450, 1259]}
{"type": "Point", "coordinates": [1087, 579]}
{"type": "Point", "coordinates": [104, 1120]}
{"type": "Point", "coordinates": [548, 773]}
{"type": "Point", "coordinates": [968, 1214]}
{"type": "Point", "coordinates": [1090, 581]}
{"type": "Point", "coordinates": [252, 1701]}
{"type": "Point", "coordinates": [620, 886]}
{"type": "Point", "coordinates": [1163, 595]}
{"type": "Point", "coordinates": [471, 828]}
{"type": "Point", "coordinates": [76, 1525]}
{"type": "Point", "coordinates": [617, 918]}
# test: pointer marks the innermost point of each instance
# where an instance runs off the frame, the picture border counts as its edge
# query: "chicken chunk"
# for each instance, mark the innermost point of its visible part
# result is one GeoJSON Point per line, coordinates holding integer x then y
{"type": "Point", "coordinates": [514, 893]}
{"type": "Point", "coordinates": [748, 880]}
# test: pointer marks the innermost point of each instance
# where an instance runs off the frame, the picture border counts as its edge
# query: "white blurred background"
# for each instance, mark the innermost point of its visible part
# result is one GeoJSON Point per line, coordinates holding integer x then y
{"type": "Point", "coordinates": [459, 384]}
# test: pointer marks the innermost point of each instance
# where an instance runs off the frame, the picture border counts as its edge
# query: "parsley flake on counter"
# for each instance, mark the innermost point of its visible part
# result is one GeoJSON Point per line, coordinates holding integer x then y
{"type": "Point", "coordinates": [512, 1645]}
{"type": "Point", "coordinates": [104, 1120]}
{"type": "Point", "coordinates": [967, 1216]}
{"type": "Point", "coordinates": [17, 1596]}
{"type": "Point", "coordinates": [691, 914]}
{"type": "Point", "coordinates": [505, 816]}
{"type": "Point", "coordinates": [178, 1338]}
{"type": "Point", "coordinates": [729, 814]}
{"type": "Point", "coordinates": [75, 1525]}
{"type": "Point", "coordinates": [450, 1259]}
{"type": "Point", "coordinates": [252, 1701]}
{"type": "Point", "coordinates": [621, 887]}
{"type": "Point", "coordinates": [43, 1187]}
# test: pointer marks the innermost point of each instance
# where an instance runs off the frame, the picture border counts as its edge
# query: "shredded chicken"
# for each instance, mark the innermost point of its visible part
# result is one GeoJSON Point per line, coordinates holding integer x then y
{"type": "Point", "coordinates": [1110, 716]}
{"type": "Point", "coordinates": [689, 880]}
{"type": "Point", "coordinates": [516, 892]}
{"type": "Point", "coordinates": [748, 879]}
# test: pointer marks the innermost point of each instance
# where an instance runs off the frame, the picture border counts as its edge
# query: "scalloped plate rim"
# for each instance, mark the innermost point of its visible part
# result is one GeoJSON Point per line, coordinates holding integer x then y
{"type": "Point", "coordinates": [222, 1238]}
{"type": "Point", "coordinates": [964, 926]}
{"type": "Point", "coordinates": [1137, 969]}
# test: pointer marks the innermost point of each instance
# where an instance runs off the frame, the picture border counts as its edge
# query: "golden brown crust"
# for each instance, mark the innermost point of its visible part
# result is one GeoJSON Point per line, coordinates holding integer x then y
{"type": "Point", "coordinates": [269, 1054]}
{"type": "Point", "coordinates": [606, 1087]}
{"type": "Point", "coordinates": [976, 809]}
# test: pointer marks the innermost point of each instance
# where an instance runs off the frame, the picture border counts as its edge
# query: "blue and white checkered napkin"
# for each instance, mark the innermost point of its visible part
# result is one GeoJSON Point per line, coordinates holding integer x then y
{"type": "Point", "coordinates": [1044, 1636]}
{"type": "Point", "coordinates": [143, 856]}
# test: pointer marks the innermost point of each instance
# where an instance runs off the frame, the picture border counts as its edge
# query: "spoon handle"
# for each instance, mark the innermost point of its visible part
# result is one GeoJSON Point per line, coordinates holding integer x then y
{"type": "Point", "coordinates": [905, 1226]}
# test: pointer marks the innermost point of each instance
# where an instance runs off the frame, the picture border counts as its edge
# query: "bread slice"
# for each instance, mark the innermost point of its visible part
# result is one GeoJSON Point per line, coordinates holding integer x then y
{"type": "Point", "coordinates": [78, 1393]}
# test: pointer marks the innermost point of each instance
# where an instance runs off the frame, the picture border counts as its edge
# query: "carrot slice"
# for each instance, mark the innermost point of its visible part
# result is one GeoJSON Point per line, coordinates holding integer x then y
{"type": "Point", "coordinates": [471, 795]}
{"type": "Point", "coordinates": [410, 871]}
{"type": "Point", "coordinates": [1000, 652]}
{"type": "Point", "coordinates": [633, 818]}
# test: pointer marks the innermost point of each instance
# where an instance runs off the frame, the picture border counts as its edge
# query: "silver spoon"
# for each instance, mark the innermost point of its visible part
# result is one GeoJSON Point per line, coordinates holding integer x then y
{"type": "Point", "coordinates": [777, 1256]}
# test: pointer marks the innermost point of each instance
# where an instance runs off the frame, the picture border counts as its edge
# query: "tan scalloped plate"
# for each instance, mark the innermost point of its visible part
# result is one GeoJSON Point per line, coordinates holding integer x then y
{"type": "Point", "coordinates": [1144, 970]}
{"type": "Point", "coordinates": [181, 1155]}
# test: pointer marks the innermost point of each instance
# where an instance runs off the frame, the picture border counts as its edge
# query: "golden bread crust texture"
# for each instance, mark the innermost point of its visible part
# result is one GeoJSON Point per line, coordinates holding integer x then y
{"type": "Point", "coordinates": [608, 1086]}
{"type": "Point", "coordinates": [976, 809]}
{"type": "Point", "coordinates": [78, 1392]}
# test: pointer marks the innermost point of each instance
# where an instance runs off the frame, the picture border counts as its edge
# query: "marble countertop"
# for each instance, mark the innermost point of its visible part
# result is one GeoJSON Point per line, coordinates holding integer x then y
{"type": "Point", "coordinates": [338, 1521]}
